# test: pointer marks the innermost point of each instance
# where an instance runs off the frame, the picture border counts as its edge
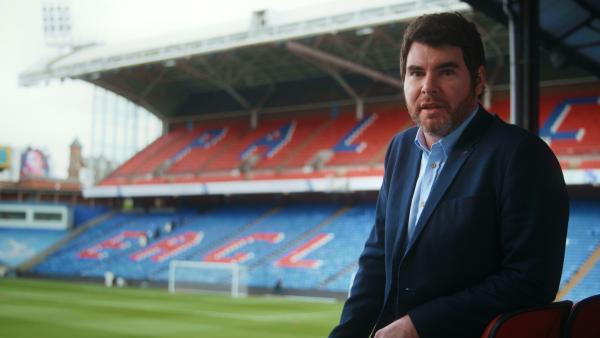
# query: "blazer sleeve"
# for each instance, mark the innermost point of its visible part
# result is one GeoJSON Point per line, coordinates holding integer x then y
{"type": "Point", "coordinates": [362, 308]}
{"type": "Point", "coordinates": [533, 211]}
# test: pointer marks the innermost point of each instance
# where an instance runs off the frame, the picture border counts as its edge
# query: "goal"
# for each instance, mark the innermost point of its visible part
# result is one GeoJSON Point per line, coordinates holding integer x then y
{"type": "Point", "coordinates": [194, 276]}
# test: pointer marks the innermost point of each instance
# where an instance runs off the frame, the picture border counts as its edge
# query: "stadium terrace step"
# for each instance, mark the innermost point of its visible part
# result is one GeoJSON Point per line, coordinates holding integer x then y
{"type": "Point", "coordinates": [307, 246]}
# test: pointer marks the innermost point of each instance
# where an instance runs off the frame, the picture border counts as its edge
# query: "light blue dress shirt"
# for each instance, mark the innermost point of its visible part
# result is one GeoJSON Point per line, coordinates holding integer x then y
{"type": "Point", "coordinates": [432, 162]}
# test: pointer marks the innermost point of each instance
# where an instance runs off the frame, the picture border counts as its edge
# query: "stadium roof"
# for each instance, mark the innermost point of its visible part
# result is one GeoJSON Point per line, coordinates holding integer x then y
{"type": "Point", "coordinates": [252, 68]}
{"type": "Point", "coordinates": [167, 75]}
{"type": "Point", "coordinates": [293, 59]}
{"type": "Point", "coordinates": [569, 29]}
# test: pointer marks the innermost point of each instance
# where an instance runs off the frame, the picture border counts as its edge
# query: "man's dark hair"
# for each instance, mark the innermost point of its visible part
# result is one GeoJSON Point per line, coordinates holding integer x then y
{"type": "Point", "coordinates": [445, 29]}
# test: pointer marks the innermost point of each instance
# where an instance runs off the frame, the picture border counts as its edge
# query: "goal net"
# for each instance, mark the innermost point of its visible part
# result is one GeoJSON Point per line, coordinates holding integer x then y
{"type": "Point", "coordinates": [194, 276]}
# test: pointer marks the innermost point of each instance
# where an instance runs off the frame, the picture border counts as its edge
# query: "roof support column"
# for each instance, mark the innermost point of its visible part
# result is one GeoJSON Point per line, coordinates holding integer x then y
{"type": "Point", "coordinates": [254, 118]}
{"type": "Point", "coordinates": [327, 62]}
{"type": "Point", "coordinates": [360, 108]}
{"type": "Point", "coordinates": [360, 102]}
{"type": "Point", "coordinates": [523, 25]}
{"type": "Point", "coordinates": [256, 110]}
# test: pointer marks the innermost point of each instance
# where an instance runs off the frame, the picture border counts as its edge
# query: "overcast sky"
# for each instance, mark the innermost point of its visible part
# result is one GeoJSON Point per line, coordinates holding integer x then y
{"type": "Point", "coordinates": [50, 116]}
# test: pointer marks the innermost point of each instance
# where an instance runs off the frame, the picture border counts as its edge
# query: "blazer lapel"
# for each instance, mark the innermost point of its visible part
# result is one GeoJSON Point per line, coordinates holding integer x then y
{"type": "Point", "coordinates": [411, 173]}
{"type": "Point", "coordinates": [457, 158]}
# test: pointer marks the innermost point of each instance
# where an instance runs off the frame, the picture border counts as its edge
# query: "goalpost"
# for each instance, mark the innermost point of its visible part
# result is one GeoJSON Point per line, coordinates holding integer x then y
{"type": "Point", "coordinates": [197, 276]}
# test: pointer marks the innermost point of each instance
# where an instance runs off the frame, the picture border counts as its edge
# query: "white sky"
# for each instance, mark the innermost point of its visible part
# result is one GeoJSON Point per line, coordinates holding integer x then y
{"type": "Point", "coordinates": [51, 116]}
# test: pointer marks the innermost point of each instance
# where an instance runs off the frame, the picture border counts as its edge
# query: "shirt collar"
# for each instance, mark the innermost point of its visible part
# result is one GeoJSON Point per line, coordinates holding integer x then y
{"type": "Point", "coordinates": [447, 142]}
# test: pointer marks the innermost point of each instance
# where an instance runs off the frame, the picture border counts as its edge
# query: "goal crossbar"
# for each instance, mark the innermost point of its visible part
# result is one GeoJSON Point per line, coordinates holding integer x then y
{"type": "Point", "coordinates": [238, 275]}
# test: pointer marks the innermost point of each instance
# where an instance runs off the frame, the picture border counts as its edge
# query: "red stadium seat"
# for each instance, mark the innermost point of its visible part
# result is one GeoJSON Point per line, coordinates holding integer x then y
{"type": "Point", "coordinates": [541, 322]}
{"type": "Point", "coordinates": [584, 321]}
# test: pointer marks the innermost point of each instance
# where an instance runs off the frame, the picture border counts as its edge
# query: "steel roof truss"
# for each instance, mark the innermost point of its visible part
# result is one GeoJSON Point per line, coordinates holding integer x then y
{"type": "Point", "coordinates": [127, 92]}
{"type": "Point", "coordinates": [153, 83]}
{"type": "Point", "coordinates": [343, 83]}
{"type": "Point", "coordinates": [324, 57]}
{"type": "Point", "coordinates": [185, 66]}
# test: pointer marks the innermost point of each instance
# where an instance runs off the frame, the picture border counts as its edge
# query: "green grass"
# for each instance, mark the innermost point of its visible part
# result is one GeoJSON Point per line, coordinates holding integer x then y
{"type": "Point", "coordinates": [45, 309]}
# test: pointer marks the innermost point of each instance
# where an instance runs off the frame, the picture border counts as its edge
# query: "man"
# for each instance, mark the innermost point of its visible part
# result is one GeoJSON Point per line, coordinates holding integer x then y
{"type": "Point", "coordinates": [472, 214]}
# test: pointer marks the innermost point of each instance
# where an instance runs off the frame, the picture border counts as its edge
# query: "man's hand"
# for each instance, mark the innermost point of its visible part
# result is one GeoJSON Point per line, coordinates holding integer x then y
{"type": "Point", "coordinates": [401, 328]}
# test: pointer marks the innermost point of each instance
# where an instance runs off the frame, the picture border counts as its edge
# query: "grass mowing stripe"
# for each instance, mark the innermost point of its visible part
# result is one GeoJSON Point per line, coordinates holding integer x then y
{"type": "Point", "coordinates": [47, 309]}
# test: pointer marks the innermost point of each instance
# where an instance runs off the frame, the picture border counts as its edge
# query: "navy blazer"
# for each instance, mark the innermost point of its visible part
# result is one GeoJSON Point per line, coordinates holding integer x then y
{"type": "Point", "coordinates": [490, 238]}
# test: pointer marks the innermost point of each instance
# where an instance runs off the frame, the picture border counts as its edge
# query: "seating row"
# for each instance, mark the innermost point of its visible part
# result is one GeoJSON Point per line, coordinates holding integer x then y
{"type": "Point", "coordinates": [331, 138]}
{"type": "Point", "coordinates": [306, 246]}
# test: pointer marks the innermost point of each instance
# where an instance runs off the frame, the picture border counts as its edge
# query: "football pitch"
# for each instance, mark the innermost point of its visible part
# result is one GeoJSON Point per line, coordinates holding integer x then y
{"type": "Point", "coordinates": [44, 309]}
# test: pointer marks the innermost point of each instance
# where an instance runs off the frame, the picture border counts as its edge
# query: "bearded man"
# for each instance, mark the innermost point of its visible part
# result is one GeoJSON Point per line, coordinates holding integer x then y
{"type": "Point", "coordinates": [472, 214]}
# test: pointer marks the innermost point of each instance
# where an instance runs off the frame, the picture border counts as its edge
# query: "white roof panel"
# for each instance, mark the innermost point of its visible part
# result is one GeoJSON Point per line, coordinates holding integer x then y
{"type": "Point", "coordinates": [281, 27]}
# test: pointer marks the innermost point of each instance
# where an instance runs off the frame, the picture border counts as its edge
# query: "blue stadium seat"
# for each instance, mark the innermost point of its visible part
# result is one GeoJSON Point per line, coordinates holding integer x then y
{"type": "Point", "coordinates": [19, 245]}
{"type": "Point", "coordinates": [583, 237]}
{"type": "Point", "coordinates": [292, 243]}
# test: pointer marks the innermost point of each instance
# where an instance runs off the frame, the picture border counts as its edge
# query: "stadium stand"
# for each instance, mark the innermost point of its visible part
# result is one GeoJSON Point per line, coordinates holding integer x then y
{"type": "Point", "coordinates": [306, 127]}
{"type": "Point", "coordinates": [588, 286]}
{"type": "Point", "coordinates": [583, 238]}
{"type": "Point", "coordinates": [344, 122]}
{"type": "Point", "coordinates": [333, 142]}
{"type": "Point", "coordinates": [569, 123]}
{"type": "Point", "coordinates": [109, 246]}
{"type": "Point", "coordinates": [210, 143]}
{"type": "Point", "coordinates": [572, 124]}
{"type": "Point", "coordinates": [83, 213]}
{"type": "Point", "coordinates": [281, 143]}
{"type": "Point", "coordinates": [150, 152]}
{"type": "Point", "coordinates": [17, 245]}
{"type": "Point", "coordinates": [257, 245]}
{"type": "Point", "coordinates": [217, 227]}
{"type": "Point", "coordinates": [266, 140]}
{"type": "Point", "coordinates": [385, 121]}
{"type": "Point", "coordinates": [38, 226]}
{"type": "Point", "coordinates": [306, 246]}
{"type": "Point", "coordinates": [326, 268]}
{"type": "Point", "coordinates": [168, 152]}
